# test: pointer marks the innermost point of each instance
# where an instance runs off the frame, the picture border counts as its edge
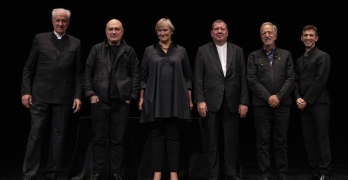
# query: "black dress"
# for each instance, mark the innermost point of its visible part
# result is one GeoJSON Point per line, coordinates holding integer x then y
{"type": "Point", "coordinates": [166, 79]}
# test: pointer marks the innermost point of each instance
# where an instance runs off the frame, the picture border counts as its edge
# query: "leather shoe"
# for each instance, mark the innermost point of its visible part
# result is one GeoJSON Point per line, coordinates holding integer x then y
{"type": "Point", "coordinates": [53, 178]}
{"type": "Point", "coordinates": [314, 177]}
{"type": "Point", "coordinates": [281, 177]}
{"type": "Point", "coordinates": [232, 178]}
{"type": "Point", "coordinates": [30, 178]}
{"type": "Point", "coordinates": [95, 177]}
{"type": "Point", "coordinates": [116, 177]}
{"type": "Point", "coordinates": [264, 177]}
{"type": "Point", "coordinates": [50, 176]}
{"type": "Point", "coordinates": [323, 177]}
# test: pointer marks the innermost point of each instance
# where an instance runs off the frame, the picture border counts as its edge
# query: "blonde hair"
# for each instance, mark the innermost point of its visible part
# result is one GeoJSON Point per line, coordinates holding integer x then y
{"type": "Point", "coordinates": [164, 22]}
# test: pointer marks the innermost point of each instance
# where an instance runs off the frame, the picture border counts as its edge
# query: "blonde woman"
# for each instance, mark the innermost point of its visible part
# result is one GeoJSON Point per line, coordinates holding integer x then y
{"type": "Point", "coordinates": [165, 97]}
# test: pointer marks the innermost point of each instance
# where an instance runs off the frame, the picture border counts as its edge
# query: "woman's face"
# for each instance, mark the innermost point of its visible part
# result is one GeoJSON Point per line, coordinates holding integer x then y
{"type": "Point", "coordinates": [164, 33]}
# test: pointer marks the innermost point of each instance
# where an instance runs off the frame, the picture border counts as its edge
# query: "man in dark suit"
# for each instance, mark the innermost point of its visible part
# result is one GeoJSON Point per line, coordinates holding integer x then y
{"type": "Point", "coordinates": [221, 94]}
{"type": "Point", "coordinates": [112, 81]}
{"type": "Point", "coordinates": [312, 98]}
{"type": "Point", "coordinates": [51, 88]}
{"type": "Point", "coordinates": [270, 75]}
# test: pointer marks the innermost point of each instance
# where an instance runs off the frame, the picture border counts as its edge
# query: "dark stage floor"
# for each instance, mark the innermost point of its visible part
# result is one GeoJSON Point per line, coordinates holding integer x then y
{"type": "Point", "coordinates": [250, 173]}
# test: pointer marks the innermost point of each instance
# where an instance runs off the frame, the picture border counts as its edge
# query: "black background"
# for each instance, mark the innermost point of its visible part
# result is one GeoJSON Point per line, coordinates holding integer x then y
{"type": "Point", "coordinates": [192, 21]}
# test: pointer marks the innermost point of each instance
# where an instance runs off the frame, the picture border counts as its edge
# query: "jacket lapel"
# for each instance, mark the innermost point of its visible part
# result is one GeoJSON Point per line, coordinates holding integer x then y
{"type": "Point", "coordinates": [109, 60]}
{"type": "Point", "coordinates": [230, 51]}
{"type": "Point", "coordinates": [306, 60]}
{"type": "Point", "coordinates": [119, 53]}
{"type": "Point", "coordinates": [113, 62]}
{"type": "Point", "coordinates": [216, 58]}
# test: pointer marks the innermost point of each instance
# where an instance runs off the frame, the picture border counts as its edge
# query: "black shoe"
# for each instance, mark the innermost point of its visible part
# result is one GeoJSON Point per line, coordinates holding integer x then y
{"type": "Point", "coordinates": [30, 178]}
{"type": "Point", "coordinates": [116, 177]}
{"type": "Point", "coordinates": [50, 176]}
{"type": "Point", "coordinates": [314, 177]}
{"type": "Point", "coordinates": [264, 177]}
{"type": "Point", "coordinates": [281, 177]}
{"type": "Point", "coordinates": [213, 178]}
{"type": "Point", "coordinates": [95, 177]}
{"type": "Point", "coordinates": [323, 177]}
{"type": "Point", "coordinates": [233, 178]}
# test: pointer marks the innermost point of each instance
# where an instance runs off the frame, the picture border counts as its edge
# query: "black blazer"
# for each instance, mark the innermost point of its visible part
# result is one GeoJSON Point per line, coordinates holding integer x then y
{"type": "Point", "coordinates": [266, 80]}
{"type": "Point", "coordinates": [312, 74]}
{"type": "Point", "coordinates": [210, 84]}
{"type": "Point", "coordinates": [53, 72]}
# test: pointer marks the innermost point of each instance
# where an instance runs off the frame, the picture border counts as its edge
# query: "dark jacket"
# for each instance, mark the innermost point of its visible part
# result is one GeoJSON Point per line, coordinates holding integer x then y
{"type": "Point", "coordinates": [210, 82]}
{"type": "Point", "coordinates": [98, 67]}
{"type": "Point", "coordinates": [266, 80]}
{"type": "Point", "coordinates": [312, 74]}
{"type": "Point", "coordinates": [53, 72]}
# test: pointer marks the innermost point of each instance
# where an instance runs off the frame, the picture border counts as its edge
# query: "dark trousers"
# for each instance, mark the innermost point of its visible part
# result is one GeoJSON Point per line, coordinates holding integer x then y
{"type": "Point", "coordinates": [109, 124]}
{"type": "Point", "coordinates": [230, 131]}
{"type": "Point", "coordinates": [269, 119]}
{"type": "Point", "coordinates": [165, 137]}
{"type": "Point", "coordinates": [315, 126]}
{"type": "Point", "coordinates": [40, 116]}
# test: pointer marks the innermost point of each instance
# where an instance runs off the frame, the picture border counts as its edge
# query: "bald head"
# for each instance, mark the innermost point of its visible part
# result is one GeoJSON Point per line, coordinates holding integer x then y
{"type": "Point", "coordinates": [114, 22]}
{"type": "Point", "coordinates": [114, 32]}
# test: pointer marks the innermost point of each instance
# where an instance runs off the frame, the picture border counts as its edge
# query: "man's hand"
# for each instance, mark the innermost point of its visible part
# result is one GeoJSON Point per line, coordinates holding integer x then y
{"type": "Point", "coordinates": [27, 100]}
{"type": "Point", "coordinates": [94, 99]}
{"type": "Point", "coordinates": [202, 109]}
{"type": "Point", "coordinates": [301, 103]}
{"type": "Point", "coordinates": [77, 105]}
{"type": "Point", "coordinates": [242, 110]}
{"type": "Point", "coordinates": [273, 101]}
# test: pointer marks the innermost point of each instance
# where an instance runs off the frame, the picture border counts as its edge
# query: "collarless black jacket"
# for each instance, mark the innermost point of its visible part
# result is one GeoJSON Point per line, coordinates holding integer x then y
{"type": "Point", "coordinates": [53, 72]}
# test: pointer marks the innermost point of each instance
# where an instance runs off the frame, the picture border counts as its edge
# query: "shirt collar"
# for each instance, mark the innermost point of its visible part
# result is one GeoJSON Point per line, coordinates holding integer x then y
{"type": "Point", "coordinates": [224, 45]}
{"type": "Point", "coordinates": [269, 53]}
{"type": "Point", "coordinates": [58, 36]}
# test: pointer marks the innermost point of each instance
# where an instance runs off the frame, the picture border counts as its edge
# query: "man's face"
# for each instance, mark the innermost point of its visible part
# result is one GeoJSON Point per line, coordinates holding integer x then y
{"type": "Point", "coordinates": [114, 32]}
{"type": "Point", "coordinates": [164, 33]}
{"type": "Point", "coordinates": [60, 22]}
{"type": "Point", "coordinates": [268, 36]}
{"type": "Point", "coordinates": [219, 33]}
{"type": "Point", "coordinates": [309, 37]}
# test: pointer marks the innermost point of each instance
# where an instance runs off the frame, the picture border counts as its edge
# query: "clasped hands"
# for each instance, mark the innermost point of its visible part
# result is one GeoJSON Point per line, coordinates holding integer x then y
{"type": "Point", "coordinates": [301, 103]}
{"type": "Point", "coordinates": [273, 101]}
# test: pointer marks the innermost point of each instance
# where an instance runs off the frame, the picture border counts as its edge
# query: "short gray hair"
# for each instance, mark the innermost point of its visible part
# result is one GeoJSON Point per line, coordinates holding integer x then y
{"type": "Point", "coordinates": [61, 9]}
{"type": "Point", "coordinates": [275, 29]}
